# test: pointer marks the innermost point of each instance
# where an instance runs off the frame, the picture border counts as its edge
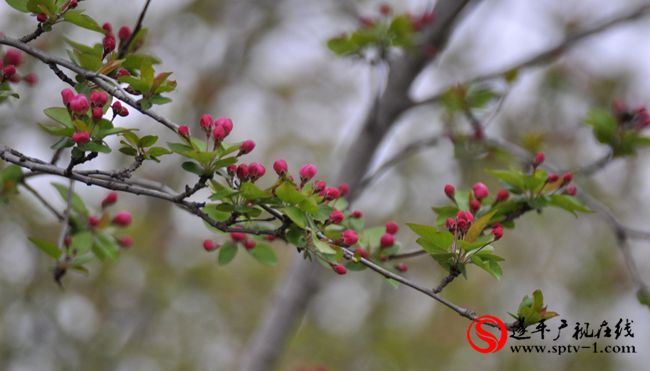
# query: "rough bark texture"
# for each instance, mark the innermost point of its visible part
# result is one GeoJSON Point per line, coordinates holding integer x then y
{"type": "Point", "coordinates": [301, 284]}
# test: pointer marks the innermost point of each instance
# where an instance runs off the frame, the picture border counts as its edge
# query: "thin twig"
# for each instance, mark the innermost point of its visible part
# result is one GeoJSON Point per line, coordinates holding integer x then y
{"type": "Point", "coordinates": [66, 216]}
{"type": "Point", "coordinates": [42, 200]}
{"type": "Point", "coordinates": [125, 48]}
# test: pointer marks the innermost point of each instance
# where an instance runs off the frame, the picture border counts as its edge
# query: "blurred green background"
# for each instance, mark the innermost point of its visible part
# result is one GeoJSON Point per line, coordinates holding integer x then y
{"type": "Point", "coordinates": [166, 305]}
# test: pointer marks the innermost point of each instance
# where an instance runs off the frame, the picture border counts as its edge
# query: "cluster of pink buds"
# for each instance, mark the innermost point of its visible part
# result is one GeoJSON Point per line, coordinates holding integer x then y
{"type": "Point", "coordinates": [121, 219]}
{"type": "Point", "coordinates": [241, 238]}
{"type": "Point", "coordinates": [461, 223]}
{"type": "Point", "coordinates": [420, 21]}
{"type": "Point", "coordinates": [109, 43]}
{"type": "Point", "coordinates": [388, 238]}
{"type": "Point", "coordinates": [119, 109]}
{"type": "Point", "coordinates": [98, 100]}
{"type": "Point", "coordinates": [636, 119]}
{"type": "Point", "coordinates": [565, 181]}
{"type": "Point", "coordinates": [77, 105]}
{"type": "Point", "coordinates": [9, 64]}
{"type": "Point", "coordinates": [252, 171]}
{"type": "Point", "coordinates": [71, 4]}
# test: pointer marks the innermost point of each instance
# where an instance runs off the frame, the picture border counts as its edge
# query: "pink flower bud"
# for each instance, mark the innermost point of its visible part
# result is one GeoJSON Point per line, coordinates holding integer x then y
{"type": "Point", "coordinates": [242, 172]}
{"type": "Point", "coordinates": [246, 147]}
{"type": "Point", "coordinates": [567, 177]}
{"type": "Point", "coordinates": [98, 113]}
{"type": "Point", "coordinates": [350, 237]}
{"type": "Point", "coordinates": [226, 123]}
{"type": "Point", "coordinates": [336, 217]}
{"type": "Point", "coordinates": [123, 72]}
{"type": "Point", "coordinates": [14, 56]}
{"type": "Point", "coordinates": [280, 167]}
{"type": "Point", "coordinates": [31, 79]}
{"type": "Point", "coordinates": [110, 199]}
{"type": "Point", "coordinates": [67, 240]}
{"type": "Point", "coordinates": [552, 178]}
{"type": "Point", "coordinates": [206, 122]}
{"type": "Point", "coordinates": [249, 245]}
{"type": "Point", "coordinates": [474, 205]}
{"type": "Point", "coordinates": [125, 241]}
{"type": "Point", "coordinates": [366, 22]}
{"type": "Point", "coordinates": [218, 134]}
{"type": "Point", "coordinates": [108, 43]}
{"type": "Point", "coordinates": [9, 71]}
{"type": "Point", "coordinates": [362, 252]}
{"type": "Point", "coordinates": [480, 191]}
{"type": "Point", "coordinates": [231, 169]}
{"type": "Point", "coordinates": [256, 171]}
{"type": "Point", "coordinates": [502, 195]}
{"type": "Point", "coordinates": [319, 186]}
{"type": "Point", "coordinates": [238, 236]}
{"type": "Point", "coordinates": [307, 172]}
{"type": "Point", "coordinates": [450, 191]}
{"type": "Point", "coordinates": [339, 269]}
{"type": "Point", "coordinates": [98, 98]}
{"type": "Point", "coordinates": [332, 193]}
{"type": "Point", "coordinates": [93, 221]}
{"type": "Point", "coordinates": [356, 214]}
{"type": "Point", "coordinates": [571, 190]}
{"type": "Point", "coordinates": [344, 189]}
{"type": "Point", "coordinates": [73, 4]}
{"type": "Point", "coordinates": [124, 33]}
{"type": "Point", "coordinates": [450, 224]}
{"type": "Point", "coordinates": [81, 137]}
{"type": "Point", "coordinates": [402, 267]}
{"type": "Point", "coordinates": [184, 131]}
{"type": "Point", "coordinates": [209, 245]}
{"type": "Point", "coordinates": [107, 28]}
{"type": "Point", "coordinates": [385, 9]}
{"type": "Point", "coordinates": [619, 107]}
{"type": "Point", "coordinates": [79, 104]}
{"type": "Point", "coordinates": [67, 95]}
{"type": "Point", "coordinates": [539, 159]}
{"type": "Point", "coordinates": [392, 228]}
{"type": "Point", "coordinates": [269, 237]}
{"type": "Point", "coordinates": [122, 219]}
{"type": "Point", "coordinates": [497, 231]}
{"type": "Point", "coordinates": [387, 240]}
{"type": "Point", "coordinates": [41, 17]}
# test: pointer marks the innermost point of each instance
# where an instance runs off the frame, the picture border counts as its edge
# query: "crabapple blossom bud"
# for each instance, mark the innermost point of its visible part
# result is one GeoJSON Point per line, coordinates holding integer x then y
{"type": "Point", "coordinates": [392, 228]}
{"type": "Point", "coordinates": [242, 172]}
{"type": "Point", "coordinates": [226, 123]}
{"type": "Point", "coordinates": [619, 107]}
{"type": "Point", "coordinates": [463, 220]}
{"type": "Point", "coordinates": [123, 72]}
{"type": "Point", "coordinates": [41, 17]}
{"type": "Point", "coordinates": [307, 172]}
{"type": "Point", "coordinates": [356, 214]}
{"type": "Point", "coordinates": [366, 22]}
{"type": "Point", "coordinates": [67, 95]}
{"type": "Point", "coordinates": [280, 167]}
{"type": "Point", "coordinates": [237, 236]}
{"type": "Point", "coordinates": [67, 240]}
{"type": "Point", "coordinates": [124, 33]}
{"type": "Point", "coordinates": [184, 131]}
{"type": "Point", "coordinates": [31, 79]}
{"type": "Point", "coordinates": [122, 219]}
{"type": "Point", "coordinates": [497, 231]}
{"type": "Point", "coordinates": [336, 217]}
{"type": "Point", "coordinates": [450, 191]}
{"type": "Point", "coordinates": [206, 122]}
{"type": "Point", "coordinates": [246, 147]}
{"type": "Point", "coordinates": [387, 240]}
{"type": "Point", "coordinates": [571, 190]}
{"type": "Point", "coordinates": [567, 177]}
{"type": "Point", "coordinates": [249, 245]}
{"type": "Point", "coordinates": [218, 134]}
{"type": "Point", "coordinates": [362, 252]}
{"type": "Point", "coordinates": [9, 71]}
{"type": "Point", "coordinates": [539, 159]}
{"type": "Point", "coordinates": [474, 205]}
{"type": "Point", "coordinates": [385, 9]}
{"type": "Point", "coordinates": [350, 237]}
{"type": "Point", "coordinates": [73, 4]}
{"type": "Point", "coordinates": [502, 195]}
{"type": "Point", "coordinates": [125, 241]}
{"type": "Point", "coordinates": [98, 98]}
{"type": "Point", "coordinates": [98, 113]}
{"type": "Point", "coordinates": [339, 269]}
{"type": "Point", "coordinates": [209, 245]}
{"type": "Point", "coordinates": [108, 43]}
{"type": "Point", "coordinates": [231, 169]}
{"type": "Point", "coordinates": [256, 170]}
{"type": "Point", "coordinates": [81, 137]}
{"type": "Point", "coordinates": [402, 267]}
{"type": "Point", "coordinates": [552, 178]}
{"type": "Point", "coordinates": [332, 193]}
{"type": "Point", "coordinates": [319, 186]}
{"type": "Point", "coordinates": [110, 199]}
{"type": "Point", "coordinates": [13, 56]}
{"type": "Point", "coordinates": [79, 104]}
{"type": "Point", "coordinates": [269, 237]}
{"type": "Point", "coordinates": [107, 28]}
{"type": "Point", "coordinates": [480, 190]}
{"type": "Point", "coordinates": [344, 189]}
{"type": "Point", "coordinates": [93, 221]}
{"type": "Point", "coordinates": [450, 224]}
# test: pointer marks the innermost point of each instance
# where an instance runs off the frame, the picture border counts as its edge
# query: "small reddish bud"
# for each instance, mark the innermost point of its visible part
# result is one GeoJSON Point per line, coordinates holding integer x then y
{"type": "Point", "coordinates": [339, 269]}
{"type": "Point", "coordinates": [332, 193]}
{"type": "Point", "coordinates": [571, 190]}
{"type": "Point", "coordinates": [319, 186]}
{"type": "Point", "coordinates": [307, 172]}
{"type": "Point", "coordinates": [474, 206]}
{"type": "Point", "coordinates": [119, 109]}
{"type": "Point", "coordinates": [209, 245]}
{"type": "Point", "coordinates": [552, 178]}
{"type": "Point", "coordinates": [107, 28]}
{"type": "Point", "coordinates": [81, 137]}
{"type": "Point", "coordinates": [246, 147]}
{"type": "Point", "coordinates": [14, 57]}
{"type": "Point", "coordinates": [238, 236]}
{"type": "Point", "coordinates": [67, 240]}
{"type": "Point", "coordinates": [110, 199]}
{"type": "Point", "coordinates": [9, 71]}
{"type": "Point", "coordinates": [392, 228]}
{"type": "Point", "coordinates": [31, 79]}
{"type": "Point", "coordinates": [480, 191]}
{"type": "Point", "coordinates": [497, 231]}
{"type": "Point", "coordinates": [184, 131]}
{"type": "Point", "coordinates": [450, 224]}
{"type": "Point", "coordinates": [125, 241]}
{"type": "Point", "coordinates": [450, 191]}
{"type": "Point", "coordinates": [336, 217]}
{"type": "Point", "coordinates": [463, 220]}
{"type": "Point", "coordinates": [218, 134]}
{"type": "Point", "coordinates": [98, 98]}
{"type": "Point", "coordinates": [280, 167]}
{"type": "Point", "coordinates": [356, 214]}
{"type": "Point", "coordinates": [249, 245]}
{"type": "Point", "coordinates": [385, 9]}
{"type": "Point", "coordinates": [502, 195]}
{"type": "Point", "coordinates": [619, 107]}
{"type": "Point", "coordinates": [67, 95]}
{"type": "Point", "coordinates": [122, 219]}
{"type": "Point", "coordinates": [41, 17]}
{"type": "Point", "coordinates": [362, 252]}
{"type": "Point", "coordinates": [123, 72]}
{"type": "Point", "coordinates": [98, 113]}
{"type": "Point", "coordinates": [402, 267]}
{"type": "Point", "coordinates": [366, 22]}
{"type": "Point", "coordinates": [344, 189]}
{"type": "Point", "coordinates": [256, 171]}
{"type": "Point", "coordinates": [93, 221]}
{"type": "Point", "coordinates": [242, 172]}
{"type": "Point", "coordinates": [269, 237]}
{"type": "Point", "coordinates": [350, 237]}
{"type": "Point", "coordinates": [567, 177]}
{"type": "Point", "coordinates": [73, 4]}
{"type": "Point", "coordinates": [108, 43]}
{"type": "Point", "coordinates": [79, 104]}
{"type": "Point", "coordinates": [124, 33]}
{"type": "Point", "coordinates": [387, 240]}
{"type": "Point", "coordinates": [231, 169]}
{"type": "Point", "coordinates": [206, 122]}
{"type": "Point", "coordinates": [226, 123]}
{"type": "Point", "coordinates": [539, 159]}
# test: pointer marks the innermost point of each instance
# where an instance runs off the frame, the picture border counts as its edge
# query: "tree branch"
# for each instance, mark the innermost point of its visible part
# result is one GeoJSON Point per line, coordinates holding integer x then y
{"type": "Point", "coordinates": [125, 48]}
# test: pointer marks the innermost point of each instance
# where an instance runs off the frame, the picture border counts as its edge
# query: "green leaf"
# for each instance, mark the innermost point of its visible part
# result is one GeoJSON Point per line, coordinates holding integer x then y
{"type": "Point", "coordinates": [20, 5]}
{"type": "Point", "coordinates": [568, 203]}
{"type": "Point", "coordinates": [478, 98]}
{"type": "Point", "coordinates": [47, 247]}
{"type": "Point", "coordinates": [400, 31]}
{"type": "Point", "coordinates": [264, 254]}
{"type": "Point", "coordinates": [287, 192]}
{"type": "Point", "coordinates": [193, 167]}
{"type": "Point", "coordinates": [490, 266]}
{"type": "Point", "coordinates": [147, 141]}
{"type": "Point", "coordinates": [442, 240]}
{"type": "Point", "coordinates": [60, 115]}
{"type": "Point", "coordinates": [444, 212]}
{"type": "Point", "coordinates": [604, 125]}
{"type": "Point", "coordinates": [227, 253]}
{"type": "Point", "coordinates": [322, 246]}
{"type": "Point", "coordinates": [129, 151]}
{"type": "Point", "coordinates": [96, 147]}
{"type": "Point", "coordinates": [478, 226]}
{"type": "Point", "coordinates": [342, 45]}
{"type": "Point", "coordinates": [296, 215]}
{"type": "Point", "coordinates": [78, 18]}
{"type": "Point", "coordinates": [76, 202]}
{"type": "Point", "coordinates": [104, 247]}
{"type": "Point", "coordinates": [181, 149]}
{"type": "Point", "coordinates": [41, 6]}
{"type": "Point", "coordinates": [513, 179]}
